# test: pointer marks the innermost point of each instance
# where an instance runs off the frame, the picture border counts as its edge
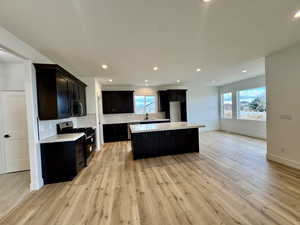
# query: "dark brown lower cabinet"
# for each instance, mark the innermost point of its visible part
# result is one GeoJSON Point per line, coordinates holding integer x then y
{"type": "Point", "coordinates": [62, 161]}
{"type": "Point", "coordinates": [160, 143]}
{"type": "Point", "coordinates": [115, 132]}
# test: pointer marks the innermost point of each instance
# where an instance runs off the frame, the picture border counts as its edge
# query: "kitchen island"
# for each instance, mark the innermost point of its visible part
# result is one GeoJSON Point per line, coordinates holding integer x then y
{"type": "Point", "coordinates": [152, 140]}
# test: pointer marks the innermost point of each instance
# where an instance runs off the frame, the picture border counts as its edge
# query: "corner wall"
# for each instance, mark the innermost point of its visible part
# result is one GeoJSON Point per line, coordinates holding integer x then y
{"type": "Point", "coordinates": [202, 105]}
{"type": "Point", "coordinates": [20, 48]}
{"type": "Point", "coordinates": [246, 127]}
{"type": "Point", "coordinates": [283, 79]}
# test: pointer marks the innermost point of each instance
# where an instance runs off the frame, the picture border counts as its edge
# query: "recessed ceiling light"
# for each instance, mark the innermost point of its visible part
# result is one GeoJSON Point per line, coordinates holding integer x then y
{"type": "Point", "coordinates": [244, 71]}
{"type": "Point", "coordinates": [155, 68]}
{"type": "Point", "coordinates": [178, 81]}
{"type": "Point", "coordinates": [146, 81]}
{"type": "Point", "coordinates": [110, 80]}
{"type": "Point", "coordinates": [297, 15]}
{"type": "Point", "coordinates": [206, 0]}
{"type": "Point", "coordinates": [198, 70]}
{"type": "Point", "coordinates": [104, 66]}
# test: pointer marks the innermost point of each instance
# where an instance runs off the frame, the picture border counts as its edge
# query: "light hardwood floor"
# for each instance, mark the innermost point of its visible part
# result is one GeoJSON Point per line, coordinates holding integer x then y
{"type": "Point", "coordinates": [13, 188]}
{"type": "Point", "coordinates": [229, 182]}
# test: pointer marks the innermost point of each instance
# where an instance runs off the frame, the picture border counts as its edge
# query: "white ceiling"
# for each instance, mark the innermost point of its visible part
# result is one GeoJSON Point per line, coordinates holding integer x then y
{"type": "Point", "coordinates": [222, 37]}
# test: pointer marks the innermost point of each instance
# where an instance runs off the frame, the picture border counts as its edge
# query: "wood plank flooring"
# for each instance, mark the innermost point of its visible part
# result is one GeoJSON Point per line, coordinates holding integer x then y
{"type": "Point", "coordinates": [229, 182]}
{"type": "Point", "coordinates": [13, 188]}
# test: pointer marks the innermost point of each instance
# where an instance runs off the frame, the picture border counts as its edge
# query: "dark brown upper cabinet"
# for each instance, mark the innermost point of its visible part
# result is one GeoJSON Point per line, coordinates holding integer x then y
{"type": "Point", "coordinates": [60, 94]}
{"type": "Point", "coordinates": [176, 95]}
{"type": "Point", "coordinates": [117, 102]}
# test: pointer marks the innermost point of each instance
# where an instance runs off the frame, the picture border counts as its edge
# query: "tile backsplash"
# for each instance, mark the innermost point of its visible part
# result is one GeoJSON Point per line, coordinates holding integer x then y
{"type": "Point", "coordinates": [47, 128]}
{"type": "Point", "coordinates": [87, 121]}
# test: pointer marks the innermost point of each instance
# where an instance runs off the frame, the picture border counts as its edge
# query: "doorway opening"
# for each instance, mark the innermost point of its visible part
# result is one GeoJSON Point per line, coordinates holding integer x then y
{"type": "Point", "coordinates": [14, 150]}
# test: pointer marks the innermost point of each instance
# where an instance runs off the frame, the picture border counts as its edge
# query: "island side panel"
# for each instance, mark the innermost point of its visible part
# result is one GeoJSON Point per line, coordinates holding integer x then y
{"type": "Point", "coordinates": [160, 143]}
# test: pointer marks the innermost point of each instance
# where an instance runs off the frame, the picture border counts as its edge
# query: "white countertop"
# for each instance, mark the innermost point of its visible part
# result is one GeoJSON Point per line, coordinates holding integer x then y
{"type": "Point", "coordinates": [135, 121]}
{"type": "Point", "coordinates": [141, 128]}
{"type": "Point", "coordinates": [62, 138]}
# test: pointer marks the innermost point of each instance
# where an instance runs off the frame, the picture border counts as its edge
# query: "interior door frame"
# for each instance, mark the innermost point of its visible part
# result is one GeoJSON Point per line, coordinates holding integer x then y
{"type": "Point", "coordinates": [36, 180]}
{"type": "Point", "coordinates": [2, 151]}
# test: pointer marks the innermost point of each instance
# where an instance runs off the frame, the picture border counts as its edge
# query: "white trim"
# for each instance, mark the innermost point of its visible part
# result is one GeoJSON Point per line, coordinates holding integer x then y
{"type": "Point", "coordinates": [238, 111]}
{"type": "Point", "coordinates": [2, 152]}
{"type": "Point", "coordinates": [284, 161]}
{"type": "Point", "coordinates": [155, 103]}
{"type": "Point", "coordinates": [222, 105]}
{"type": "Point", "coordinates": [34, 146]}
{"type": "Point", "coordinates": [99, 130]}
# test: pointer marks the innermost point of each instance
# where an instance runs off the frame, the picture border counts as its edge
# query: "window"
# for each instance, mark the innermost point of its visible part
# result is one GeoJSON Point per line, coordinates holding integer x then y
{"type": "Point", "coordinates": [252, 104]}
{"type": "Point", "coordinates": [227, 105]}
{"type": "Point", "coordinates": [144, 104]}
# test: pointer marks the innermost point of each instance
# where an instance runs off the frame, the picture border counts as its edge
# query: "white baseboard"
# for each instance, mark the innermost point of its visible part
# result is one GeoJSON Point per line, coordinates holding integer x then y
{"type": "Point", "coordinates": [245, 135]}
{"type": "Point", "coordinates": [284, 161]}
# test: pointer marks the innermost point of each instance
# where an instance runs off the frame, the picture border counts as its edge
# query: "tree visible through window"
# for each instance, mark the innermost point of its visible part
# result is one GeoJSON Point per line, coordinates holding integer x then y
{"type": "Point", "coordinates": [144, 104]}
{"type": "Point", "coordinates": [252, 104]}
{"type": "Point", "coordinates": [227, 105]}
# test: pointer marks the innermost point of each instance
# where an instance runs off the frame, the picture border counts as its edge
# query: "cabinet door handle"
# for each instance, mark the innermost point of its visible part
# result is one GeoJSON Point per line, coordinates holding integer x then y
{"type": "Point", "coordinates": [6, 136]}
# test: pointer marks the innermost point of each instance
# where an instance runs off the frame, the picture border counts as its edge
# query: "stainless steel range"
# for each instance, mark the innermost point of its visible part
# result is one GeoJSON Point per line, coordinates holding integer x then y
{"type": "Point", "coordinates": [90, 137]}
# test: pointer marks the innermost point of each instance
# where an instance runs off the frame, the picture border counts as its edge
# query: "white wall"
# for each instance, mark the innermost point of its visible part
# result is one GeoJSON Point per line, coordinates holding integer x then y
{"type": "Point", "coordinates": [202, 105]}
{"type": "Point", "coordinates": [12, 76]}
{"type": "Point", "coordinates": [245, 127]}
{"type": "Point", "coordinates": [283, 79]}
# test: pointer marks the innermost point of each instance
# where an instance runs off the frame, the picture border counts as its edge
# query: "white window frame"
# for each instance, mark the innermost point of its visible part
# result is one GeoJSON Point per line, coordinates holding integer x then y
{"type": "Point", "coordinates": [222, 106]}
{"type": "Point", "coordinates": [155, 104]}
{"type": "Point", "coordinates": [238, 104]}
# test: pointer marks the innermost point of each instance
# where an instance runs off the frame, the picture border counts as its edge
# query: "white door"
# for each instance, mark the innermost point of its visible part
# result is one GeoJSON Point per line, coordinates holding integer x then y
{"type": "Point", "coordinates": [14, 131]}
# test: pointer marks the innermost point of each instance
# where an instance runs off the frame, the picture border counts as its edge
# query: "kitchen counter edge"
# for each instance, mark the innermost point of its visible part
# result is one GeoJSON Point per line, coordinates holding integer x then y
{"type": "Point", "coordinates": [62, 138]}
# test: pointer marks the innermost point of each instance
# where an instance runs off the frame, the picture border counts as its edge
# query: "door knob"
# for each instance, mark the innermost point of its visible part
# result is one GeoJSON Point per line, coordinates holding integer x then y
{"type": "Point", "coordinates": [6, 136]}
